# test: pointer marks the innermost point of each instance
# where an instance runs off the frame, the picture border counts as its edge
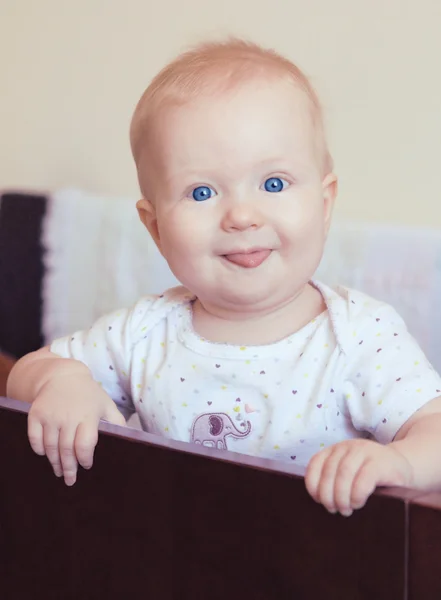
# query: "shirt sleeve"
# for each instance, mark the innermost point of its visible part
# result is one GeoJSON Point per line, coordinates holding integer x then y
{"type": "Point", "coordinates": [388, 377]}
{"type": "Point", "coordinates": [106, 349]}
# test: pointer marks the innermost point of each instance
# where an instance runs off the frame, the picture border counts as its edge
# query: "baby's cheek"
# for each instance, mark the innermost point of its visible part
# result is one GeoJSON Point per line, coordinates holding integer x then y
{"type": "Point", "coordinates": [173, 232]}
{"type": "Point", "coordinates": [193, 234]}
{"type": "Point", "coordinates": [185, 246]}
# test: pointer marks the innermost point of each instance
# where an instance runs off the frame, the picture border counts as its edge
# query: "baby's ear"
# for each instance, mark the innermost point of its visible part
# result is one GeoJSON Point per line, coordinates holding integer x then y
{"type": "Point", "coordinates": [330, 189]}
{"type": "Point", "coordinates": [147, 214]}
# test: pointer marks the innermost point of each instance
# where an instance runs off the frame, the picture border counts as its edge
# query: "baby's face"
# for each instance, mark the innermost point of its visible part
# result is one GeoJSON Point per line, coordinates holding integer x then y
{"type": "Point", "coordinates": [240, 206]}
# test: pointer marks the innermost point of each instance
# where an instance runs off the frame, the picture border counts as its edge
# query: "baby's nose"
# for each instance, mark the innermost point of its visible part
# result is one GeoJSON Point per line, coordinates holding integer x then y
{"type": "Point", "coordinates": [240, 216]}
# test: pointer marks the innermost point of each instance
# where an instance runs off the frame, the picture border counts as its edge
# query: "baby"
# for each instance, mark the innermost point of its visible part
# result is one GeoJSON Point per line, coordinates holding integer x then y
{"type": "Point", "coordinates": [251, 354]}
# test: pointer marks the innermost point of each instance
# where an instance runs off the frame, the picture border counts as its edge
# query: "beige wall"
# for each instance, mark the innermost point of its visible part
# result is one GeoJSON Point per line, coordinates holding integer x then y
{"type": "Point", "coordinates": [71, 72]}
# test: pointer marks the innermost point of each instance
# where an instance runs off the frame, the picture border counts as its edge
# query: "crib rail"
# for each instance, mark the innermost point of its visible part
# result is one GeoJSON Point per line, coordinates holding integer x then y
{"type": "Point", "coordinates": [168, 521]}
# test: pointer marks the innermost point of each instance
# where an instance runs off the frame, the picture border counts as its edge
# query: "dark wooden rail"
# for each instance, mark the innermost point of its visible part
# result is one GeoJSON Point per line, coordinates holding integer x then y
{"type": "Point", "coordinates": [169, 521]}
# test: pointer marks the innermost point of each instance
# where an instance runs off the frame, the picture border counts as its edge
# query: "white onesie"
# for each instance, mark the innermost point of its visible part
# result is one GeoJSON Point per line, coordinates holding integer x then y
{"type": "Point", "coordinates": [352, 372]}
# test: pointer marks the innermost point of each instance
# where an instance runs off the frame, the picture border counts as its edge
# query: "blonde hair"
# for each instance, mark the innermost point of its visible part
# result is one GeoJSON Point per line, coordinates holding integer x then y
{"type": "Point", "coordinates": [219, 66]}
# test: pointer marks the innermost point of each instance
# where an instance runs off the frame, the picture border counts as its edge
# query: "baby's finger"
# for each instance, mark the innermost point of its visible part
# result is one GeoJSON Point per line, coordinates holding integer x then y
{"type": "Point", "coordinates": [330, 468]}
{"type": "Point", "coordinates": [35, 435]}
{"type": "Point", "coordinates": [345, 476]}
{"type": "Point", "coordinates": [86, 439]}
{"type": "Point", "coordinates": [112, 415]}
{"type": "Point", "coordinates": [50, 440]}
{"type": "Point", "coordinates": [364, 484]}
{"type": "Point", "coordinates": [67, 455]}
{"type": "Point", "coordinates": [314, 472]}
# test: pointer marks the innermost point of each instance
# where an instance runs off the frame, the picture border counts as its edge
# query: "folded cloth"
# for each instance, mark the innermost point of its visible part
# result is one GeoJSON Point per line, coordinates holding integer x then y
{"type": "Point", "coordinates": [399, 265]}
{"type": "Point", "coordinates": [99, 257]}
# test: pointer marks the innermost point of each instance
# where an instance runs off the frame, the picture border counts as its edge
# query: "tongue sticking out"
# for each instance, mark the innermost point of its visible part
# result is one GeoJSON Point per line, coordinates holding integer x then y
{"type": "Point", "coordinates": [249, 260]}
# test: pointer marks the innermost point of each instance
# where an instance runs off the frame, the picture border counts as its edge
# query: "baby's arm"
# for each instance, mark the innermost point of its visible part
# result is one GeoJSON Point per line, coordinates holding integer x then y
{"type": "Point", "coordinates": [67, 405]}
{"type": "Point", "coordinates": [392, 393]}
{"type": "Point", "coordinates": [343, 476]}
{"type": "Point", "coordinates": [419, 441]}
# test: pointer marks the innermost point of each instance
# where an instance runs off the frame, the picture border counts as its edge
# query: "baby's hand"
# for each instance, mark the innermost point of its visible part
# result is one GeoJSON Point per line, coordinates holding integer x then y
{"type": "Point", "coordinates": [343, 476]}
{"type": "Point", "coordinates": [63, 422]}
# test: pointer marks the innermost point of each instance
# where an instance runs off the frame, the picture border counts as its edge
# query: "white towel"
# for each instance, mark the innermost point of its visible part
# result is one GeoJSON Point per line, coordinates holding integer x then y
{"type": "Point", "coordinates": [98, 258]}
{"type": "Point", "coordinates": [399, 265]}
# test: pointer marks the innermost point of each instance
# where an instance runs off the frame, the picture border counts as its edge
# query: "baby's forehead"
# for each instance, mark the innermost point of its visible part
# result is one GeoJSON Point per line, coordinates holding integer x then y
{"type": "Point", "coordinates": [213, 90]}
{"type": "Point", "coordinates": [248, 134]}
{"type": "Point", "coordinates": [267, 100]}
{"type": "Point", "coordinates": [179, 126]}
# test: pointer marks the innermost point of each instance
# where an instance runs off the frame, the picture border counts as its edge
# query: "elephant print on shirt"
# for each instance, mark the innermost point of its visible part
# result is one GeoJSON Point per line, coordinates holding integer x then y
{"type": "Point", "coordinates": [212, 429]}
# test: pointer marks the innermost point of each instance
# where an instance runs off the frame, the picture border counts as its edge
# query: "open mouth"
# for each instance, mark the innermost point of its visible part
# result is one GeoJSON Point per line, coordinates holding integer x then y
{"type": "Point", "coordinates": [248, 260]}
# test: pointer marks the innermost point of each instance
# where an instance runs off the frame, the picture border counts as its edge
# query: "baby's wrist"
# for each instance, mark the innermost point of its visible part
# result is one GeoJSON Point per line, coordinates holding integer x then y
{"type": "Point", "coordinates": [406, 475]}
{"type": "Point", "coordinates": [60, 369]}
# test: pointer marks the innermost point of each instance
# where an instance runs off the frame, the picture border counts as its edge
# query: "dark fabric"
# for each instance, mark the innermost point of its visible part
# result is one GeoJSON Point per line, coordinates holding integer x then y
{"type": "Point", "coordinates": [21, 272]}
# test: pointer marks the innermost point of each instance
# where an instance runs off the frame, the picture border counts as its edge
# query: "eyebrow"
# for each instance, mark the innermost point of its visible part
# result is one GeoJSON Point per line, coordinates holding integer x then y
{"type": "Point", "coordinates": [267, 161]}
{"type": "Point", "coordinates": [270, 161]}
{"type": "Point", "coordinates": [285, 163]}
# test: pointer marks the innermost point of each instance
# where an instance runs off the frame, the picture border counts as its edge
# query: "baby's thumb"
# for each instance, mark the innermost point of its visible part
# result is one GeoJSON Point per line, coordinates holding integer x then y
{"type": "Point", "coordinates": [113, 416]}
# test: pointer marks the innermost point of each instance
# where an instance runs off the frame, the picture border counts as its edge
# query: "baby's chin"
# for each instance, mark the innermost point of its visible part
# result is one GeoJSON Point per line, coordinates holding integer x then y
{"type": "Point", "coordinates": [245, 300]}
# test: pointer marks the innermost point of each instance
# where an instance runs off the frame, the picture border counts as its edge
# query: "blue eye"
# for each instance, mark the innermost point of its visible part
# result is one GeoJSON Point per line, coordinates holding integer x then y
{"type": "Point", "coordinates": [203, 192]}
{"type": "Point", "coordinates": [275, 184]}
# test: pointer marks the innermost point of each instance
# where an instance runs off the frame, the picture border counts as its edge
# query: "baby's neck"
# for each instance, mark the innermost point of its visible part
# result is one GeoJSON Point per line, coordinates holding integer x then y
{"type": "Point", "coordinates": [258, 329]}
